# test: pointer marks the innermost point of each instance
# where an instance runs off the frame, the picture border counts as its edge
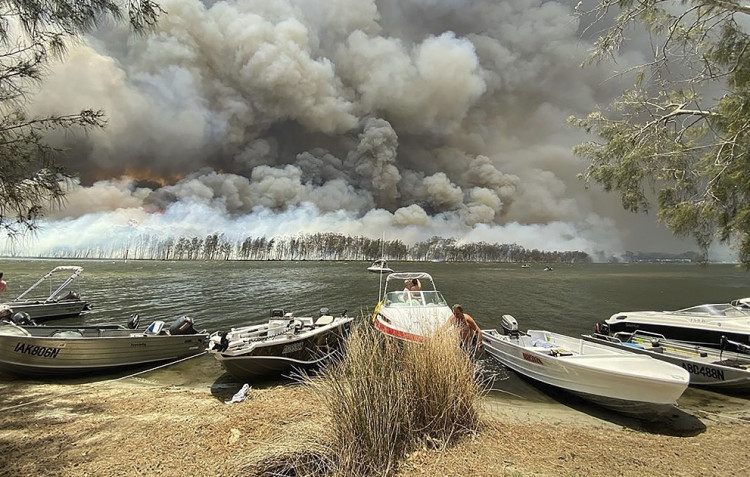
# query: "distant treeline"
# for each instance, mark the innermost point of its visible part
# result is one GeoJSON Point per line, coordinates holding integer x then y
{"type": "Point", "coordinates": [319, 246]}
{"type": "Point", "coordinates": [663, 257]}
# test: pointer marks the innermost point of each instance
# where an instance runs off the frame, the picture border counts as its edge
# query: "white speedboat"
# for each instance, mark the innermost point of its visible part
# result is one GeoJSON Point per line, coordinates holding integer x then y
{"type": "Point", "coordinates": [74, 350]}
{"type": "Point", "coordinates": [628, 383]}
{"type": "Point", "coordinates": [410, 315]}
{"type": "Point", "coordinates": [283, 344]}
{"type": "Point", "coordinates": [715, 369]}
{"type": "Point", "coordinates": [703, 325]}
{"type": "Point", "coordinates": [62, 302]}
{"type": "Point", "coordinates": [379, 266]}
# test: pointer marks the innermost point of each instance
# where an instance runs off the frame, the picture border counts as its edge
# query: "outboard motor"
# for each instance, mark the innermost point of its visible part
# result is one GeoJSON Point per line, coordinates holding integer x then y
{"type": "Point", "coordinates": [602, 328]}
{"type": "Point", "coordinates": [22, 319]}
{"type": "Point", "coordinates": [133, 321]}
{"type": "Point", "coordinates": [182, 326]}
{"type": "Point", "coordinates": [5, 312]}
{"type": "Point", "coordinates": [324, 311]}
{"type": "Point", "coordinates": [71, 296]}
{"type": "Point", "coordinates": [223, 342]}
{"type": "Point", "coordinates": [277, 313]}
{"type": "Point", "coordinates": [510, 326]}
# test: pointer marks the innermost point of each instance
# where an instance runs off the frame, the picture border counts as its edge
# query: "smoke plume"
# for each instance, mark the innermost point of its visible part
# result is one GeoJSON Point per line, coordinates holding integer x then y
{"type": "Point", "coordinates": [403, 119]}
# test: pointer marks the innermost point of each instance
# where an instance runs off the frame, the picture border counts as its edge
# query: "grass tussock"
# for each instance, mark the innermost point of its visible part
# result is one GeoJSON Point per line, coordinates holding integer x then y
{"type": "Point", "coordinates": [387, 398]}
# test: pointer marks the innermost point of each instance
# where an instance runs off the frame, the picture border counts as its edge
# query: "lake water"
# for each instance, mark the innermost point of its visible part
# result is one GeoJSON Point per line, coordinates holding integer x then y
{"type": "Point", "coordinates": [570, 299]}
{"type": "Point", "coordinates": [218, 295]}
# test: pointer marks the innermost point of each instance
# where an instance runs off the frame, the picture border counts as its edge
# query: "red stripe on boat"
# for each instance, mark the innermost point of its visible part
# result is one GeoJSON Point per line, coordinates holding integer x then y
{"type": "Point", "coordinates": [397, 333]}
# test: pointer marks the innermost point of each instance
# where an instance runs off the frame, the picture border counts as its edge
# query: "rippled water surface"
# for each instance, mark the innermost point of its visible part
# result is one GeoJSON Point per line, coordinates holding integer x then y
{"type": "Point", "coordinates": [218, 295]}
{"type": "Point", "coordinates": [570, 299]}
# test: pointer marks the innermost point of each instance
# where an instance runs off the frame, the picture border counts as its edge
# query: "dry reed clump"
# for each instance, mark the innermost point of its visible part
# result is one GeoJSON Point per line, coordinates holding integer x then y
{"type": "Point", "coordinates": [387, 398]}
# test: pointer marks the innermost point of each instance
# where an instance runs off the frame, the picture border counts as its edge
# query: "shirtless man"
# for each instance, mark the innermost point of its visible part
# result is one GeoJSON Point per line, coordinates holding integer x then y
{"type": "Point", "coordinates": [467, 328]}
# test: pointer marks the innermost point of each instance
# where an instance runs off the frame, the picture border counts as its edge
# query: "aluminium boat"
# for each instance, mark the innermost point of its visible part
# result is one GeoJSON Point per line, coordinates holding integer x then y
{"type": "Point", "coordinates": [714, 369]}
{"type": "Point", "coordinates": [410, 315]}
{"type": "Point", "coordinates": [61, 301]}
{"type": "Point", "coordinates": [703, 325]}
{"type": "Point", "coordinates": [632, 384]}
{"type": "Point", "coordinates": [40, 351]}
{"type": "Point", "coordinates": [283, 344]}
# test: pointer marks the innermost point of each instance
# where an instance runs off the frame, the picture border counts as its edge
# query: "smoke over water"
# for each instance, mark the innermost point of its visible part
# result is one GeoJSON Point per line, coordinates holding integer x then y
{"type": "Point", "coordinates": [360, 117]}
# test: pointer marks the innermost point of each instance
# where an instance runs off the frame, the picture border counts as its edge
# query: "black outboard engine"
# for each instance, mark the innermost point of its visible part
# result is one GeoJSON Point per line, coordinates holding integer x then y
{"type": "Point", "coordinates": [71, 296]}
{"type": "Point", "coordinates": [277, 313]}
{"type": "Point", "coordinates": [602, 329]}
{"type": "Point", "coordinates": [133, 321]}
{"type": "Point", "coordinates": [22, 319]}
{"type": "Point", "coordinates": [223, 342]}
{"type": "Point", "coordinates": [510, 326]}
{"type": "Point", "coordinates": [182, 326]}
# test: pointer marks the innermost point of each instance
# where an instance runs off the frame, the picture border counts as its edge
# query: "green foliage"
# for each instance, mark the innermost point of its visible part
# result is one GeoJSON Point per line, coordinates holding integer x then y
{"type": "Point", "coordinates": [32, 32]}
{"type": "Point", "coordinates": [666, 138]}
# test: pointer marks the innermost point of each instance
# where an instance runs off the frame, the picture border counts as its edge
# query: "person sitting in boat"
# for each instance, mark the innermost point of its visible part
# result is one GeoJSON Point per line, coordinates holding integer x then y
{"type": "Point", "coordinates": [469, 334]}
{"type": "Point", "coordinates": [412, 289]}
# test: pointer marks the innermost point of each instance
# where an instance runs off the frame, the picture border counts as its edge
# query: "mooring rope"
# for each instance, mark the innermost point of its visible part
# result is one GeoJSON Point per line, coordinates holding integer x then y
{"type": "Point", "coordinates": [97, 383]}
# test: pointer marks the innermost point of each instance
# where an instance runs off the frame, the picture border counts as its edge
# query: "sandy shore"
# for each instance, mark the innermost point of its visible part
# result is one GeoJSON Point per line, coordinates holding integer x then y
{"type": "Point", "coordinates": [138, 426]}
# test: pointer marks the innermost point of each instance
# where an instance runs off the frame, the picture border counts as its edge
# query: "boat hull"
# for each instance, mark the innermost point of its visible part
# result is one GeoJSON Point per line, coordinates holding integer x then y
{"type": "Point", "coordinates": [702, 336]}
{"type": "Point", "coordinates": [704, 372]}
{"type": "Point", "coordinates": [58, 356]}
{"type": "Point", "coordinates": [285, 353]}
{"type": "Point", "coordinates": [642, 387]}
{"type": "Point", "coordinates": [40, 311]}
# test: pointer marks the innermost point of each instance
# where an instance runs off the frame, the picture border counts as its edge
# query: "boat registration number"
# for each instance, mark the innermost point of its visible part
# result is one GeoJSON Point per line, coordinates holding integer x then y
{"type": "Point", "coordinates": [532, 358]}
{"type": "Point", "coordinates": [33, 350]}
{"type": "Point", "coordinates": [713, 373]}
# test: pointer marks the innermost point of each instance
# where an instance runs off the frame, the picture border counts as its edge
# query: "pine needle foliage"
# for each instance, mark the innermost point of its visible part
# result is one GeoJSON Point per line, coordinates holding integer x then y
{"type": "Point", "coordinates": [33, 32]}
{"type": "Point", "coordinates": [680, 135]}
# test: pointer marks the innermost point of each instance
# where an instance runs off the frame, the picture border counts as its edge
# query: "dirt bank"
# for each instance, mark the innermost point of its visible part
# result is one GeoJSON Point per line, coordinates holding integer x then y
{"type": "Point", "coordinates": [138, 427]}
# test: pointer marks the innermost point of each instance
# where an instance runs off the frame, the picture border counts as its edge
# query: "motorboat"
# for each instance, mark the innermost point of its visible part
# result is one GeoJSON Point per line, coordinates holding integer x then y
{"type": "Point", "coordinates": [525, 265]}
{"type": "Point", "coordinates": [60, 303]}
{"type": "Point", "coordinates": [379, 266]}
{"type": "Point", "coordinates": [410, 315]}
{"type": "Point", "coordinates": [284, 344]}
{"type": "Point", "coordinates": [703, 325]}
{"type": "Point", "coordinates": [719, 370]}
{"type": "Point", "coordinates": [629, 383]}
{"type": "Point", "coordinates": [69, 350]}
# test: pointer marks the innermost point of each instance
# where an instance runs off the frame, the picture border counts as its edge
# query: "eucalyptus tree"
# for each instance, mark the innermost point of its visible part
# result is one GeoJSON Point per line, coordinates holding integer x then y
{"type": "Point", "coordinates": [680, 135]}
{"type": "Point", "coordinates": [33, 32]}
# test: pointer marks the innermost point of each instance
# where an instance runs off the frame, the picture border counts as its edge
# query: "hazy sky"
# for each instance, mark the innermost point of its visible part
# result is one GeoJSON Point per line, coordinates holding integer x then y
{"type": "Point", "coordinates": [409, 119]}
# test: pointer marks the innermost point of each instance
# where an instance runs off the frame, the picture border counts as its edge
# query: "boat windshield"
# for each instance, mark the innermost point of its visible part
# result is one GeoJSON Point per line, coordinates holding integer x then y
{"type": "Point", "coordinates": [720, 309]}
{"type": "Point", "coordinates": [419, 298]}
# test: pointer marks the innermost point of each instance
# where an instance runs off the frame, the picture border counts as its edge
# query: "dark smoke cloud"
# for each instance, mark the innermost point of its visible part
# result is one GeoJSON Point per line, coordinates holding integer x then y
{"type": "Point", "coordinates": [411, 119]}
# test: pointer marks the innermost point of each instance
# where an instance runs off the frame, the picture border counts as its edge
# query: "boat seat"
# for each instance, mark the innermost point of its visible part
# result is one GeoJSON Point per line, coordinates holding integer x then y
{"type": "Point", "coordinates": [324, 320]}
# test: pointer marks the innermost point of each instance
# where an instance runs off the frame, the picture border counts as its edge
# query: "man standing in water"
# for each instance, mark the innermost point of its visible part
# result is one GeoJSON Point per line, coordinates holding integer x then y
{"type": "Point", "coordinates": [469, 334]}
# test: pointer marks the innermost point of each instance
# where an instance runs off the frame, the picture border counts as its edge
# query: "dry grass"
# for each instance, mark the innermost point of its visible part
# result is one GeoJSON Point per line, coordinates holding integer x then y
{"type": "Point", "coordinates": [141, 428]}
{"type": "Point", "coordinates": [387, 398]}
